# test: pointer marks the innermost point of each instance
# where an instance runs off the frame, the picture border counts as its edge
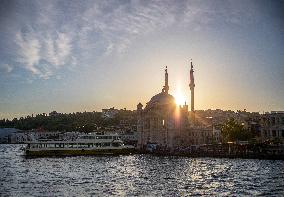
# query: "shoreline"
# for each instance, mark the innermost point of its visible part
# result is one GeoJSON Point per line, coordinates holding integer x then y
{"type": "Point", "coordinates": [229, 156]}
{"type": "Point", "coordinates": [242, 155]}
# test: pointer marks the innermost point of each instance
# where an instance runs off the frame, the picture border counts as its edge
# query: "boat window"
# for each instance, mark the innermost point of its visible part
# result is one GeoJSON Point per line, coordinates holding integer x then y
{"type": "Point", "coordinates": [82, 145]}
{"type": "Point", "coordinates": [86, 137]}
{"type": "Point", "coordinates": [106, 144]}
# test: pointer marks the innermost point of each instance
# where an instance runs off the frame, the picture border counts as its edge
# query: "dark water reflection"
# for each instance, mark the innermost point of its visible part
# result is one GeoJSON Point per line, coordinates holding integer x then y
{"type": "Point", "coordinates": [137, 175]}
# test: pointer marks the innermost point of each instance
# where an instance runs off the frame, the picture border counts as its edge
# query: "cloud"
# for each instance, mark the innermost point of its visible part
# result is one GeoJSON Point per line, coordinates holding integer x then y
{"type": "Point", "coordinates": [92, 30]}
{"type": "Point", "coordinates": [121, 24]}
{"type": "Point", "coordinates": [57, 50]}
{"type": "Point", "coordinates": [60, 34]}
{"type": "Point", "coordinates": [42, 56]}
{"type": "Point", "coordinates": [28, 52]}
{"type": "Point", "coordinates": [46, 72]}
{"type": "Point", "coordinates": [7, 68]}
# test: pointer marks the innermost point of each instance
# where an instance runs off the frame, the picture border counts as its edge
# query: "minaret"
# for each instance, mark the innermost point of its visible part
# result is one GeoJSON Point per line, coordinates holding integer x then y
{"type": "Point", "coordinates": [192, 85]}
{"type": "Point", "coordinates": [166, 86]}
{"type": "Point", "coordinates": [140, 125]}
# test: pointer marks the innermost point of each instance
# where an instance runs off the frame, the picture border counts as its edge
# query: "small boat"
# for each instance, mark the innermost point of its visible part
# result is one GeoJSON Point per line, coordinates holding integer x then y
{"type": "Point", "coordinates": [88, 144]}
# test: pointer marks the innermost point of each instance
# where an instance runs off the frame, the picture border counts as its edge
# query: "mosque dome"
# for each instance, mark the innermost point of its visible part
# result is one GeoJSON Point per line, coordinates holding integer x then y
{"type": "Point", "coordinates": [160, 99]}
{"type": "Point", "coordinates": [163, 98]}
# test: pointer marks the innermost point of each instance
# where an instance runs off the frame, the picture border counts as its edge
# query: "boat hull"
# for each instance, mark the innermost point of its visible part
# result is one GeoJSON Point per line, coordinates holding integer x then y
{"type": "Point", "coordinates": [77, 152]}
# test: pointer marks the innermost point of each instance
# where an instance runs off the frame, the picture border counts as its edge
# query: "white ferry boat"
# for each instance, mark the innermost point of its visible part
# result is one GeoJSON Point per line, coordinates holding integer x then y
{"type": "Point", "coordinates": [88, 144]}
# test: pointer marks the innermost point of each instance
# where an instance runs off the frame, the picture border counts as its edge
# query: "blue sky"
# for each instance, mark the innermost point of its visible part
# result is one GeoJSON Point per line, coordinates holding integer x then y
{"type": "Point", "coordinates": [87, 55]}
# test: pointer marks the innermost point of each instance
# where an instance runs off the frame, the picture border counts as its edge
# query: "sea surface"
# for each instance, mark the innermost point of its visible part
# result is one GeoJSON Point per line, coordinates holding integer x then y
{"type": "Point", "coordinates": [137, 175]}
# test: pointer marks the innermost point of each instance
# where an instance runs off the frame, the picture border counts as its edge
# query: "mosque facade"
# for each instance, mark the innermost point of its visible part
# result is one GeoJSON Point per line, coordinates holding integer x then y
{"type": "Point", "coordinates": [164, 123]}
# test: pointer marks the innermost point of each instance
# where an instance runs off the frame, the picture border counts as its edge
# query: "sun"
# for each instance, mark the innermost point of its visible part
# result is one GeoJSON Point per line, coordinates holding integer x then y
{"type": "Point", "coordinates": [179, 98]}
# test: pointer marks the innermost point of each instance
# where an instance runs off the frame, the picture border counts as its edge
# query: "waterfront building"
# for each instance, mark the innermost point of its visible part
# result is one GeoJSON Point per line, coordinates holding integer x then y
{"type": "Point", "coordinates": [21, 137]}
{"type": "Point", "coordinates": [6, 134]}
{"type": "Point", "coordinates": [130, 137]}
{"type": "Point", "coordinates": [272, 126]}
{"type": "Point", "coordinates": [197, 135]}
{"type": "Point", "coordinates": [166, 124]}
{"type": "Point", "coordinates": [217, 138]}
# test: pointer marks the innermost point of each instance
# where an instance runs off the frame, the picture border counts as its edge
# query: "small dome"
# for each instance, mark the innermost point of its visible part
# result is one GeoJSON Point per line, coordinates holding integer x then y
{"type": "Point", "coordinates": [160, 99]}
{"type": "Point", "coordinates": [139, 106]}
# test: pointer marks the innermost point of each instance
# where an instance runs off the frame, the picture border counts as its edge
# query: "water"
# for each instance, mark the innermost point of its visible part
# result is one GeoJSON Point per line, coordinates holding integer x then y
{"type": "Point", "coordinates": [136, 175]}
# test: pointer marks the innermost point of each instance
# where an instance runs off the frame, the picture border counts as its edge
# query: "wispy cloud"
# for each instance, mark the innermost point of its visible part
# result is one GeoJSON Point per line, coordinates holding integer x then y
{"type": "Point", "coordinates": [28, 52]}
{"type": "Point", "coordinates": [57, 50]}
{"type": "Point", "coordinates": [123, 23]}
{"type": "Point", "coordinates": [42, 56]}
{"type": "Point", "coordinates": [59, 34]}
{"type": "Point", "coordinates": [7, 68]}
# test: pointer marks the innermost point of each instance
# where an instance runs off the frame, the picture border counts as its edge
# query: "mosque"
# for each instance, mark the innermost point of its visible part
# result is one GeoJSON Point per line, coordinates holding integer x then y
{"type": "Point", "coordinates": [164, 123]}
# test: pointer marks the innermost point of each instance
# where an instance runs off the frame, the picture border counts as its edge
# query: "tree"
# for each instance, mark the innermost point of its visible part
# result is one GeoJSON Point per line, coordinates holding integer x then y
{"type": "Point", "coordinates": [232, 131]}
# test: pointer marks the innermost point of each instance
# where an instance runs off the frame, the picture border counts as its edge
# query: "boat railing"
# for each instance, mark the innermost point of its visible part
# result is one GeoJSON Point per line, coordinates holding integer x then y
{"type": "Point", "coordinates": [72, 144]}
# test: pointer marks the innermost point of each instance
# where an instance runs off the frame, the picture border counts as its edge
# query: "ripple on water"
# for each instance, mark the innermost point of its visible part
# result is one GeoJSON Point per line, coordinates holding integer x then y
{"type": "Point", "coordinates": [136, 175]}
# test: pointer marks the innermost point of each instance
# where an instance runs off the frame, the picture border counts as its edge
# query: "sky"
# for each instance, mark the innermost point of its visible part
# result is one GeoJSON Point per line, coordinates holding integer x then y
{"type": "Point", "coordinates": [74, 56]}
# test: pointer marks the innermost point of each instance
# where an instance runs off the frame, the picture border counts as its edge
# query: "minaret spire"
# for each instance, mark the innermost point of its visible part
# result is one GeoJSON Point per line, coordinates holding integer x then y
{"type": "Point", "coordinates": [166, 86]}
{"type": "Point", "coordinates": [192, 85]}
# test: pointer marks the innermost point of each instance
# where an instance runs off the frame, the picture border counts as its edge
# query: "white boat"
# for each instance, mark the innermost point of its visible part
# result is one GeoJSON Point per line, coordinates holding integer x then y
{"type": "Point", "coordinates": [88, 144]}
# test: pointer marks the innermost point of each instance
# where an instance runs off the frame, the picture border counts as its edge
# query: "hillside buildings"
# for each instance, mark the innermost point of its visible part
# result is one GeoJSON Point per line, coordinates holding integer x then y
{"type": "Point", "coordinates": [110, 113]}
